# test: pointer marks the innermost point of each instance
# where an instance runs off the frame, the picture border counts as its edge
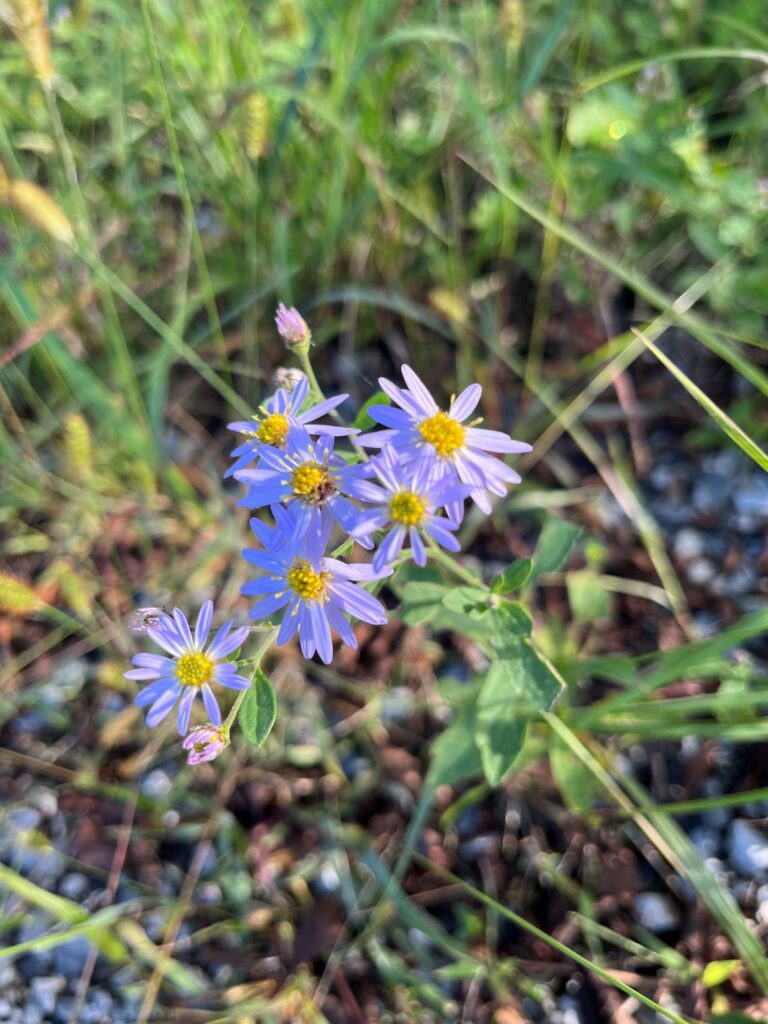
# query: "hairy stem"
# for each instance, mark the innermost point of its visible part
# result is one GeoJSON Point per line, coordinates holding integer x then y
{"type": "Point", "coordinates": [256, 660]}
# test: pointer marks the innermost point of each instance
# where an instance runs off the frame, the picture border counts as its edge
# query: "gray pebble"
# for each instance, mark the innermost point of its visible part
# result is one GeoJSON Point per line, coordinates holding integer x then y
{"type": "Point", "coordinates": [5, 1009]}
{"type": "Point", "coordinates": [8, 976]}
{"type": "Point", "coordinates": [747, 849]}
{"type": "Point", "coordinates": [156, 784]}
{"type": "Point", "coordinates": [21, 819]}
{"type": "Point", "coordinates": [69, 958]}
{"type": "Point", "coordinates": [736, 583]}
{"type": "Point", "coordinates": [707, 624]}
{"type": "Point", "coordinates": [656, 912]}
{"type": "Point", "coordinates": [480, 846]}
{"type": "Point", "coordinates": [37, 962]}
{"type": "Point", "coordinates": [44, 991]}
{"type": "Point", "coordinates": [751, 497]}
{"type": "Point", "coordinates": [706, 840]}
{"type": "Point", "coordinates": [689, 544]}
{"type": "Point", "coordinates": [746, 524]}
{"type": "Point", "coordinates": [711, 492]}
{"type": "Point", "coordinates": [74, 886]}
{"type": "Point", "coordinates": [761, 898]}
{"type": "Point", "coordinates": [701, 571]}
{"type": "Point", "coordinates": [568, 1012]}
{"type": "Point", "coordinates": [210, 894]}
{"type": "Point", "coordinates": [45, 801]}
{"type": "Point", "coordinates": [63, 684]}
{"type": "Point", "coordinates": [64, 1008]}
{"type": "Point", "coordinates": [719, 870]}
{"type": "Point", "coordinates": [397, 706]}
{"type": "Point", "coordinates": [97, 1008]}
{"type": "Point", "coordinates": [327, 879]}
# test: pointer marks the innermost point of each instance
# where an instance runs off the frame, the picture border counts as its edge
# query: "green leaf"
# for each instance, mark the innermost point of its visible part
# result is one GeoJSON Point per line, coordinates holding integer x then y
{"type": "Point", "coordinates": [258, 710]}
{"type": "Point", "coordinates": [474, 624]}
{"type": "Point", "coordinates": [420, 601]}
{"type": "Point", "coordinates": [515, 689]}
{"type": "Point", "coordinates": [577, 784]}
{"type": "Point", "coordinates": [511, 622]}
{"type": "Point", "coordinates": [513, 577]}
{"type": "Point", "coordinates": [363, 421]}
{"type": "Point", "coordinates": [717, 972]}
{"type": "Point", "coordinates": [589, 600]}
{"type": "Point", "coordinates": [466, 599]}
{"type": "Point", "coordinates": [555, 543]}
{"type": "Point", "coordinates": [455, 755]}
{"type": "Point", "coordinates": [603, 120]}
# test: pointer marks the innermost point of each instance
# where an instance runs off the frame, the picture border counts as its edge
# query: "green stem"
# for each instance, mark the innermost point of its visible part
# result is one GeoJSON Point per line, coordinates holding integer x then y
{"type": "Point", "coordinates": [306, 365]}
{"type": "Point", "coordinates": [261, 650]}
{"type": "Point", "coordinates": [302, 351]}
{"type": "Point", "coordinates": [438, 555]}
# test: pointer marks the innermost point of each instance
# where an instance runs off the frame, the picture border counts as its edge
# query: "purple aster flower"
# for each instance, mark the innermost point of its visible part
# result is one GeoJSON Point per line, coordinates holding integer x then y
{"type": "Point", "coordinates": [204, 743]}
{"type": "Point", "coordinates": [315, 594]}
{"type": "Point", "coordinates": [405, 502]}
{"type": "Point", "coordinates": [421, 430]}
{"type": "Point", "coordinates": [191, 669]}
{"type": "Point", "coordinates": [271, 426]}
{"type": "Point", "coordinates": [311, 480]}
{"type": "Point", "coordinates": [291, 326]}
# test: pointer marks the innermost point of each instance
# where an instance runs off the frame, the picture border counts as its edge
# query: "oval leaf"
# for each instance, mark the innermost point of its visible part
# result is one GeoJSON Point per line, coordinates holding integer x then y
{"type": "Point", "coordinates": [258, 710]}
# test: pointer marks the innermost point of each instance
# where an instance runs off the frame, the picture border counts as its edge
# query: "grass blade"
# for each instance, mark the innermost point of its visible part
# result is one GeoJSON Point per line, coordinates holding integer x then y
{"type": "Point", "coordinates": [722, 419]}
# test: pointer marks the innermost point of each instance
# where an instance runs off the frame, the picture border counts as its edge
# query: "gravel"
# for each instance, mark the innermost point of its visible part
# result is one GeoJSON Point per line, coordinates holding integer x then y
{"type": "Point", "coordinates": [748, 849]}
{"type": "Point", "coordinates": [656, 912]}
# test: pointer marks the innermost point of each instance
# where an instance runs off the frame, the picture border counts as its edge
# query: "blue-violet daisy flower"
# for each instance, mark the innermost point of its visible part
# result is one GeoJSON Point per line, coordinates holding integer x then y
{"type": "Point", "coordinates": [190, 670]}
{"type": "Point", "coordinates": [405, 503]}
{"type": "Point", "coordinates": [271, 425]}
{"type": "Point", "coordinates": [310, 479]}
{"type": "Point", "coordinates": [420, 429]}
{"type": "Point", "coordinates": [315, 594]}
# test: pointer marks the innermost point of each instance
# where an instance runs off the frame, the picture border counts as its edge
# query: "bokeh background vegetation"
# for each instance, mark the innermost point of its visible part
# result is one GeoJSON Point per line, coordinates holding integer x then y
{"type": "Point", "coordinates": [490, 191]}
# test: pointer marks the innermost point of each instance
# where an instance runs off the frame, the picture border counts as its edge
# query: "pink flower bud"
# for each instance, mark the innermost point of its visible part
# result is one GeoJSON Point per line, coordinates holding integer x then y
{"type": "Point", "coordinates": [292, 327]}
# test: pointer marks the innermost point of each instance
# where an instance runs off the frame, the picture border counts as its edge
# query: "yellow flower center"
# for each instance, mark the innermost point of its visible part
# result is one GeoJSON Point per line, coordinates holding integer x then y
{"type": "Point", "coordinates": [273, 430]}
{"type": "Point", "coordinates": [311, 482]}
{"type": "Point", "coordinates": [194, 669]}
{"type": "Point", "coordinates": [307, 583]}
{"type": "Point", "coordinates": [407, 508]}
{"type": "Point", "coordinates": [443, 432]}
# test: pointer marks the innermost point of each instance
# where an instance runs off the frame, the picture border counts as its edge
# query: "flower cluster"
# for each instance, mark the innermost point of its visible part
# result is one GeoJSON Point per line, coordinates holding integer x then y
{"type": "Point", "coordinates": [404, 499]}
{"type": "Point", "coordinates": [409, 494]}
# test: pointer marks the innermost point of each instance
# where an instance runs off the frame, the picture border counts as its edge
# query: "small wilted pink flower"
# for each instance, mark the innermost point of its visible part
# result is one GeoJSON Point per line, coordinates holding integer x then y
{"type": "Point", "coordinates": [291, 326]}
{"type": "Point", "coordinates": [204, 743]}
{"type": "Point", "coordinates": [146, 617]}
{"type": "Point", "coordinates": [288, 378]}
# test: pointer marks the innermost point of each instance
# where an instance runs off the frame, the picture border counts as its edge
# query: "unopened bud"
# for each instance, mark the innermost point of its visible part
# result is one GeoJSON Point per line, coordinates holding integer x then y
{"type": "Point", "coordinates": [292, 327]}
